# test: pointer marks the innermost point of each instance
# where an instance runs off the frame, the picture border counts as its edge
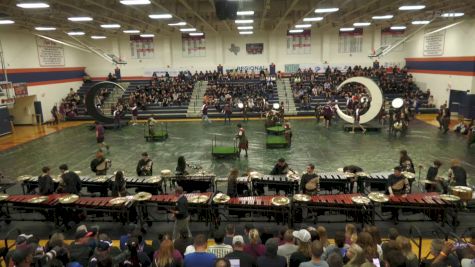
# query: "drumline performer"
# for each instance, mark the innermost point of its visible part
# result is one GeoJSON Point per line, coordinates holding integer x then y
{"type": "Point", "coordinates": [100, 164]}
{"type": "Point", "coordinates": [288, 134]}
{"type": "Point", "coordinates": [354, 170]}
{"type": "Point", "coordinates": [151, 126]}
{"type": "Point", "coordinates": [45, 182]}
{"type": "Point", "coordinates": [397, 185]}
{"type": "Point", "coordinates": [243, 142]}
{"type": "Point", "coordinates": [145, 165]}
{"type": "Point", "coordinates": [457, 174]}
{"type": "Point", "coordinates": [310, 181]}
{"type": "Point", "coordinates": [356, 119]}
{"type": "Point", "coordinates": [181, 166]}
{"type": "Point", "coordinates": [437, 184]}
{"type": "Point", "coordinates": [71, 183]}
{"type": "Point", "coordinates": [405, 162]}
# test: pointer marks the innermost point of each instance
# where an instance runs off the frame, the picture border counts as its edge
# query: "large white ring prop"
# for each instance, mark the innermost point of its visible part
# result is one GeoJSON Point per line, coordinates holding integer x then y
{"type": "Point", "coordinates": [376, 100]}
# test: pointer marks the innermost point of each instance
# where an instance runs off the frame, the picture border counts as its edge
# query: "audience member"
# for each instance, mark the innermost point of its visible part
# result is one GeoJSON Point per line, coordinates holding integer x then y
{"type": "Point", "coordinates": [317, 251]}
{"type": "Point", "coordinates": [255, 248]}
{"type": "Point", "coordinates": [270, 258]}
{"type": "Point", "coordinates": [303, 252]}
{"type": "Point", "coordinates": [289, 246]}
{"type": "Point", "coordinates": [220, 249]}
{"type": "Point", "coordinates": [238, 255]}
{"type": "Point", "coordinates": [200, 258]}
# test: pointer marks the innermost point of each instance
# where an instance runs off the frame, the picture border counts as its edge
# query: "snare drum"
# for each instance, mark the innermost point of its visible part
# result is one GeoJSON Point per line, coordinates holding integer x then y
{"type": "Point", "coordinates": [464, 192]}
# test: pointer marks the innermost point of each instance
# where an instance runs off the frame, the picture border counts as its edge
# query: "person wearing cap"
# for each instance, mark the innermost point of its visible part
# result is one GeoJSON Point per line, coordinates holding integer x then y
{"type": "Point", "coordinates": [289, 246]}
{"type": "Point", "coordinates": [71, 181]}
{"type": "Point", "coordinates": [316, 261]}
{"type": "Point", "coordinates": [79, 249]}
{"type": "Point", "coordinates": [303, 253]}
{"type": "Point", "coordinates": [200, 258]}
{"type": "Point", "coordinates": [270, 258]}
{"type": "Point", "coordinates": [238, 257]}
{"type": "Point", "coordinates": [220, 249]}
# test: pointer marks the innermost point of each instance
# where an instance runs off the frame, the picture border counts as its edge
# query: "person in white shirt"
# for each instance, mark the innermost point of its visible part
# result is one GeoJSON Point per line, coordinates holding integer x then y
{"type": "Point", "coordinates": [289, 246]}
{"type": "Point", "coordinates": [220, 249]}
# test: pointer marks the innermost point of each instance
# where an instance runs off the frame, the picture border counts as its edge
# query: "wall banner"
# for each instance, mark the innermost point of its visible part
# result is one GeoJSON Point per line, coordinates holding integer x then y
{"type": "Point", "coordinates": [299, 43]}
{"type": "Point", "coordinates": [254, 48]}
{"type": "Point", "coordinates": [49, 53]}
{"type": "Point", "coordinates": [434, 44]}
{"type": "Point", "coordinates": [193, 46]}
{"type": "Point", "coordinates": [141, 48]}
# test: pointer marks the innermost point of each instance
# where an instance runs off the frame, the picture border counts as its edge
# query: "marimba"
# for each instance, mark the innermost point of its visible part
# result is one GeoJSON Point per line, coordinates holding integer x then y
{"type": "Point", "coordinates": [341, 203]}
{"type": "Point", "coordinates": [275, 183]}
{"type": "Point", "coordinates": [252, 208]}
{"type": "Point", "coordinates": [21, 207]}
{"type": "Point", "coordinates": [101, 209]}
{"type": "Point", "coordinates": [195, 182]}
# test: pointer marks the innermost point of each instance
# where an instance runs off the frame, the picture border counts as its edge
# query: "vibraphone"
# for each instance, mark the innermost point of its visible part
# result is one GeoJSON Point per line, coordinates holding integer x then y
{"type": "Point", "coordinates": [243, 184]}
{"type": "Point", "coordinates": [330, 181]}
{"type": "Point", "coordinates": [342, 203]}
{"type": "Point", "coordinates": [19, 208]}
{"type": "Point", "coordinates": [165, 203]}
{"type": "Point", "coordinates": [377, 181]}
{"type": "Point", "coordinates": [275, 183]}
{"type": "Point", "coordinates": [90, 182]}
{"type": "Point", "coordinates": [100, 209]}
{"type": "Point", "coordinates": [251, 208]}
{"type": "Point", "coordinates": [143, 184]}
{"type": "Point", "coordinates": [430, 204]}
{"type": "Point", "coordinates": [192, 183]}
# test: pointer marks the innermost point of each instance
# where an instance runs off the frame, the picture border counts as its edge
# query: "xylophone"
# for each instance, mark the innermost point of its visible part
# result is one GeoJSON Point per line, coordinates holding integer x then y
{"type": "Point", "coordinates": [341, 203]}
{"type": "Point", "coordinates": [430, 204]}
{"type": "Point", "coordinates": [252, 208]}
{"type": "Point", "coordinates": [21, 207]}
{"type": "Point", "coordinates": [143, 184]}
{"type": "Point", "coordinates": [275, 183]}
{"type": "Point", "coordinates": [195, 182]}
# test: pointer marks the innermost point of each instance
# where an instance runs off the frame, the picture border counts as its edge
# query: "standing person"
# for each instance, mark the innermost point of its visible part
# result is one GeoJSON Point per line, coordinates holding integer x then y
{"type": "Point", "coordinates": [303, 252]}
{"type": "Point", "coordinates": [445, 119]}
{"type": "Point", "coordinates": [117, 114]}
{"type": "Point", "coordinates": [118, 188]}
{"type": "Point", "coordinates": [316, 250]}
{"type": "Point", "coordinates": [227, 110]}
{"type": "Point", "coordinates": [457, 174]}
{"type": "Point", "coordinates": [181, 166]}
{"type": "Point", "coordinates": [405, 162]}
{"type": "Point", "coordinates": [145, 165]}
{"type": "Point", "coordinates": [232, 182]}
{"type": "Point", "coordinates": [327, 114]}
{"type": "Point", "coordinates": [245, 110]}
{"type": "Point", "coordinates": [151, 126]}
{"type": "Point", "coordinates": [200, 258]}
{"type": "Point", "coordinates": [288, 134]}
{"type": "Point", "coordinates": [71, 181]}
{"type": "Point", "coordinates": [182, 217]}
{"type": "Point", "coordinates": [45, 182]}
{"type": "Point", "coordinates": [55, 114]}
{"type": "Point", "coordinates": [432, 175]}
{"type": "Point", "coordinates": [243, 142]}
{"type": "Point", "coordinates": [100, 164]}
{"type": "Point", "coordinates": [238, 255]}
{"type": "Point", "coordinates": [306, 177]}
{"type": "Point", "coordinates": [270, 258]}
{"type": "Point", "coordinates": [356, 119]}
{"type": "Point", "coordinates": [397, 185]}
{"type": "Point", "coordinates": [135, 114]}
{"type": "Point", "coordinates": [100, 136]}
{"type": "Point", "coordinates": [317, 113]}
{"type": "Point", "coordinates": [204, 112]}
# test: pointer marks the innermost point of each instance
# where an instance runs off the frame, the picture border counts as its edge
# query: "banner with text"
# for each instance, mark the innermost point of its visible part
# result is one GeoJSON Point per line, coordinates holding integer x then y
{"type": "Point", "coordinates": [141, 48]}
{"type": "Point", "coordinates": [434, 44]}
{"type": "Point", "coordinates": [299, 43]}
{"type": "Point", "coordinates": [49, 53]}
{"type": "Point", "coordinates": [255, 48]}
{"type": "Point", "coordinates": [193, 46]}
{"type": "Point", "coordinates": [350, 42]}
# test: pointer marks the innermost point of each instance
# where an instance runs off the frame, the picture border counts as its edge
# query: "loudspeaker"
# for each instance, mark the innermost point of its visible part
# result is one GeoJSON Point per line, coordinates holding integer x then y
{"type": "Point", "coordinates": [226, 9]}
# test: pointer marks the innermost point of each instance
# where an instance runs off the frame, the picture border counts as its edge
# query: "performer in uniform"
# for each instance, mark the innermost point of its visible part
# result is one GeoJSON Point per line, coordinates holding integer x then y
{"type": "Point", "coordinates": [280, 168]}
{"type": "Point", "coordinates": [457, 174]}
{"type": "Point", "coordinates": [181, 166]}
{"type": "Point", "coordinates": [45, 182]}
{"type": "Point", "coordinates": [356, 119]}
{"type": "Point", "coordinates": [151, 126]}
{"type": "Point", "coordinates": [100, 164]}
{"type": "Point", "coordinates": [182, 217]}
{"type": "Point", "coordinates": [327, 114]}
{"type": "Point", "coordinates": [100, 133]}
{"type": "Point", "coordinates": [405, 162]}
{"type": "Point", "coordinates": [204, 112]}
{"type": "Point", "coordinates": [288, 134]}
{"type": "Point", "coordinates": [351, 180]}
{"type": "Point", "coordinates": [437, 184]}
{"type": "Point", "coordinates": [397, 185]}
{"type": "Point", "coordinates": [243, 142]}
{"type": "Point", "coordinates": [71, 181]}
{"type": "Point", "coordinates": [232, 183]}
{"type": "Point", "coordinates": [307, 177]}
{"type": "Point", "coordinates": [118, 188]}
{"type": "Point", "coordinates": [144, 166]}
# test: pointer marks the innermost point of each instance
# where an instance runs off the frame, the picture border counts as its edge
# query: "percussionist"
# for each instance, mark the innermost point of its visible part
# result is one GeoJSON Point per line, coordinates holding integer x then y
{"type": "Point", "coordinates": [437, 184]}
{"type": "Point", "coordinates": [45, 182]}
{"type": "Point", "coordinates": [280, 168]}
{"type": "Point", "coordinates": [457, 174]}
{"type": "Point", "coordinates": [71, 181]}
{"type": "Point", "coordinates": [144, 166]}
{"type": "Point", "coordinates": [397, 185]}
{"type": "Point", "coordinates": [351, 180]}
{"type": "Point", "coordinates": [307, 177]}
{"type": "Point", "coordinates": [100, 164]}
{"type": "Point", "coordinates": [181, 166]}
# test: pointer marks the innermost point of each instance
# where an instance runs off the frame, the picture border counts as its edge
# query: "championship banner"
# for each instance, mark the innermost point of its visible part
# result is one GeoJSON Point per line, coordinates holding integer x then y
{"type": "Point", "coordinates": [298, 43]}
{"type": "Point", "coordinates": [193, 46]}
{"type": "Point", "coordinates": [141, 48]}
{"type": "Point", "coordinates": [254, 48]}
{"type": "Point", "coordinates": [390, 37]}
{"type": "Point", "coordinates": [351, 42]}
{"type": "Point", "coordinates": [49, 53]}
{"type": "Point", "coordinates": [21, 89]}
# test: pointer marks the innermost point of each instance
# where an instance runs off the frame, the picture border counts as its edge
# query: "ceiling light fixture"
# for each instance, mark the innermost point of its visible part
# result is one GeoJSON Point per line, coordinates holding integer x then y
{"type": "Point", "coordinates": [313, 19]}
{"type": "Point", "coordinates": [6, 21]}
{"type": "Point", "coordinates": [245, 13]}
{"type": "Point", "coordinates": [160, 16]}
{"type": "Point", "coordinates": [98, 37]}
{"type": "Point", "coordinates": [177, 24]}
{"type": "Point", "coordinates": [398, 28]}
{"type": "Point", "coordinates": [131, 31]}
{"type": "Point", "coordinates": [110, 26]}
{"type": "Point", "coordinates": [303, 25]}
{"type": "Point", "coordinates": [45, 28]}
{"type": "Point", "coordinates": [75, 19]}
{"type": "Point", "coordinates": [326, 10]}
{"type": "Point", "coordinates": [347, 29]}
{"type": "Point", "coordinates": [135, 2]}
{"type": "Point", "coordinates": [243, 21]}
{"type": "Point", "coordinates": [420, 22]}
{"type": "Point", "coordinates": [245, 27]}
{"type": "Point", "coordinates": [361, 24]}
{"type": "Point", "coordinates": [296, 31]}
{"type": "Point", "coordinates": [383, 17]}
{"type": "Point", "coordinates": [196, 34]}
{"type": "Point", "coordinates": [416, 7]}
{"type": "Point", "coordinates": [453, 15]}
{"type": "Point", "coordinates": [246, 32]}
{"type": "Point", "coordinates": [32, 5]}
{"type": "Point", "coordinates": [147, 35]}
{"type": "Point", "coordinates": [188, 30]}
{"type": "Point", "coordinates": [76, 33]}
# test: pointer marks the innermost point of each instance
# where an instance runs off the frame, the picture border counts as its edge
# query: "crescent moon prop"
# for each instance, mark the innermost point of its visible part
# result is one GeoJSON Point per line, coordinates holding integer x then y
{"type": "Point", "coordinates": [376, 100]}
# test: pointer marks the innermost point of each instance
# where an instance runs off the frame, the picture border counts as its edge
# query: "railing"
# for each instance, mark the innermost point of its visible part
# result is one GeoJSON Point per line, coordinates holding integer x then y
{"type": "Point", "coordinates": [417, 240]}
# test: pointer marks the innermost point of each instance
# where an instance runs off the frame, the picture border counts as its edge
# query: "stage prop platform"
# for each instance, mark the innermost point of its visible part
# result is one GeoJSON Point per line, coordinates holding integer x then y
{"type": "Point", "coordinates": [276, 130]}
{"type": "Point", "coordinates": [159, 133]}
{"type": "Point", "coordinates": [222, 151]}
{"type": "Point", "coordinates": [276, 141]}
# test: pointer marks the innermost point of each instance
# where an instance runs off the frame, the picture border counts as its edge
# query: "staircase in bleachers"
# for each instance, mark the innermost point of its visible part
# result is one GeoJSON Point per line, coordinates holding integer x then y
{"type": "Point", "coordinates": [284, 91]}
{"type": "Point", "coordinates": [194, 108]}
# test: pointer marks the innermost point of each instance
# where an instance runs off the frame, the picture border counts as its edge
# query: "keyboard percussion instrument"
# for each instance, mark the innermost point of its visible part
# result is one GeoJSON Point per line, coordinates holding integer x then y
{"type": "Point", "coordinates": [201, 181]}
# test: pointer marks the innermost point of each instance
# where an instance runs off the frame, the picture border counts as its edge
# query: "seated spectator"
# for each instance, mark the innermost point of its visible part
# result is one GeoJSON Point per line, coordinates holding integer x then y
{"type": "Point", "coordinates": [255, 248]}
{"type": "Point", "coordinates": [355, 256]}
{"type": "Point", "coordinates": [230, 231]}
{"type": "Point", "coordinates": [365, 241]}
{"type": "Point", "coordinates": [167, 255]}
{"type": "Point", "coordinates": [404, 245]}
{"type": "Point", "coordinates": [443, 253]}
{"type": "Point", "coordinates": [183, 241]}
{"type": "Point", "coordinates": [200, 258]}
{"type": "Point", "coordinates": [303, 252]}
{"type": "Point", "coordinates": [317, 251]}
{"type": "Point", "coordinates": [135, 257]}
{"type": "Point", "coordinates": [395, 258]}
{"type": "Point", "coordinates": [220, 249]}
{"type": "Point", "coordinates": [238, 256]}
{"type": "Point", "coordinates": [289, 246]}
{"type": "Point", "coordinates": [393, 234]}
{"type": "Point", "coordinates": [335, 260]}
{"type": "Point", "coordinates": [339, 247]}
{"type": "Point", "coordinates": [270, 258]}
{"type": "Point", "coordinates": [222, 263]}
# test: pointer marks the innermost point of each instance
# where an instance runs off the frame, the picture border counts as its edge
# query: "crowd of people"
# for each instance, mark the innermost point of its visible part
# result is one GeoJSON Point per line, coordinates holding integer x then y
{"type": "Point", "coordinates": [306, 247]}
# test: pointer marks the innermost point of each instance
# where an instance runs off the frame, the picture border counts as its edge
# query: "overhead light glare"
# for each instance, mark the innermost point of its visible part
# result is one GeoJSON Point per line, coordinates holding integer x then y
{"type": "Point", "coordinates": [398, 28]}
{"type": "Point", "coordinates": [245, 27]}
{"type": "Point", "coordinates": [383, 17]}
{"type": "Point", "coordinates": [415, 7]}
{"type": "Point", "coordinates": [97, 37]}
{"type": "Point", "coordinates": [313, 19]}
{"type": "Point", "coordinates": [147, 35]}
{"type": "Point", "coordinates": [110, 26]}
{"type": "Point", "coordinates": [303, 25]}
{"type": "Point", "coordinates": [243, 21]}
{"type": "Point", "coordinates": [76, 33]}
{"type": "Point", "coordinates": [75, 19]}
{"type": "Point", "coordinates": [245, 13]}
{"type": "Point", "coordinates": [131, 31]}
{"type": "Point", "coordinates": [246, 32]}
{"type": "Point", "coordinates": [32, 5]}
{"type": "Point", "coordinates": [160, 16]}
{"type": "Point", "coordinates": [347, 29]}
{"type": "Point", "coordinates": [296, 31]}
{"type": "Point", "coordinates": [182, 23]}
{"type": "Point", "coordinates": [135, 2]}
{"type": "Point", "coordinates": [188, 30]}
{"type": "Point", "coordinates": [453, 15]}
{"type": "Point", "coordinates": [196, 34]}
{"type": "Point", "coordinates": [6, 21]}
{"type": "Point", "coordinates": [420, 22]}
{"type": "Point", "coordinates": [326, 10]}
{"type": "Point", "coordinates": [361, 24]}
{"type": "Point", "coordinates": [45, 28]}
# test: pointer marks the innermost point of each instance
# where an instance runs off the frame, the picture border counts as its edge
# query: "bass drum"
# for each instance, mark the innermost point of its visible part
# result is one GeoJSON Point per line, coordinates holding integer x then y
{"type": "Point", "coordinates": [465, 193]}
